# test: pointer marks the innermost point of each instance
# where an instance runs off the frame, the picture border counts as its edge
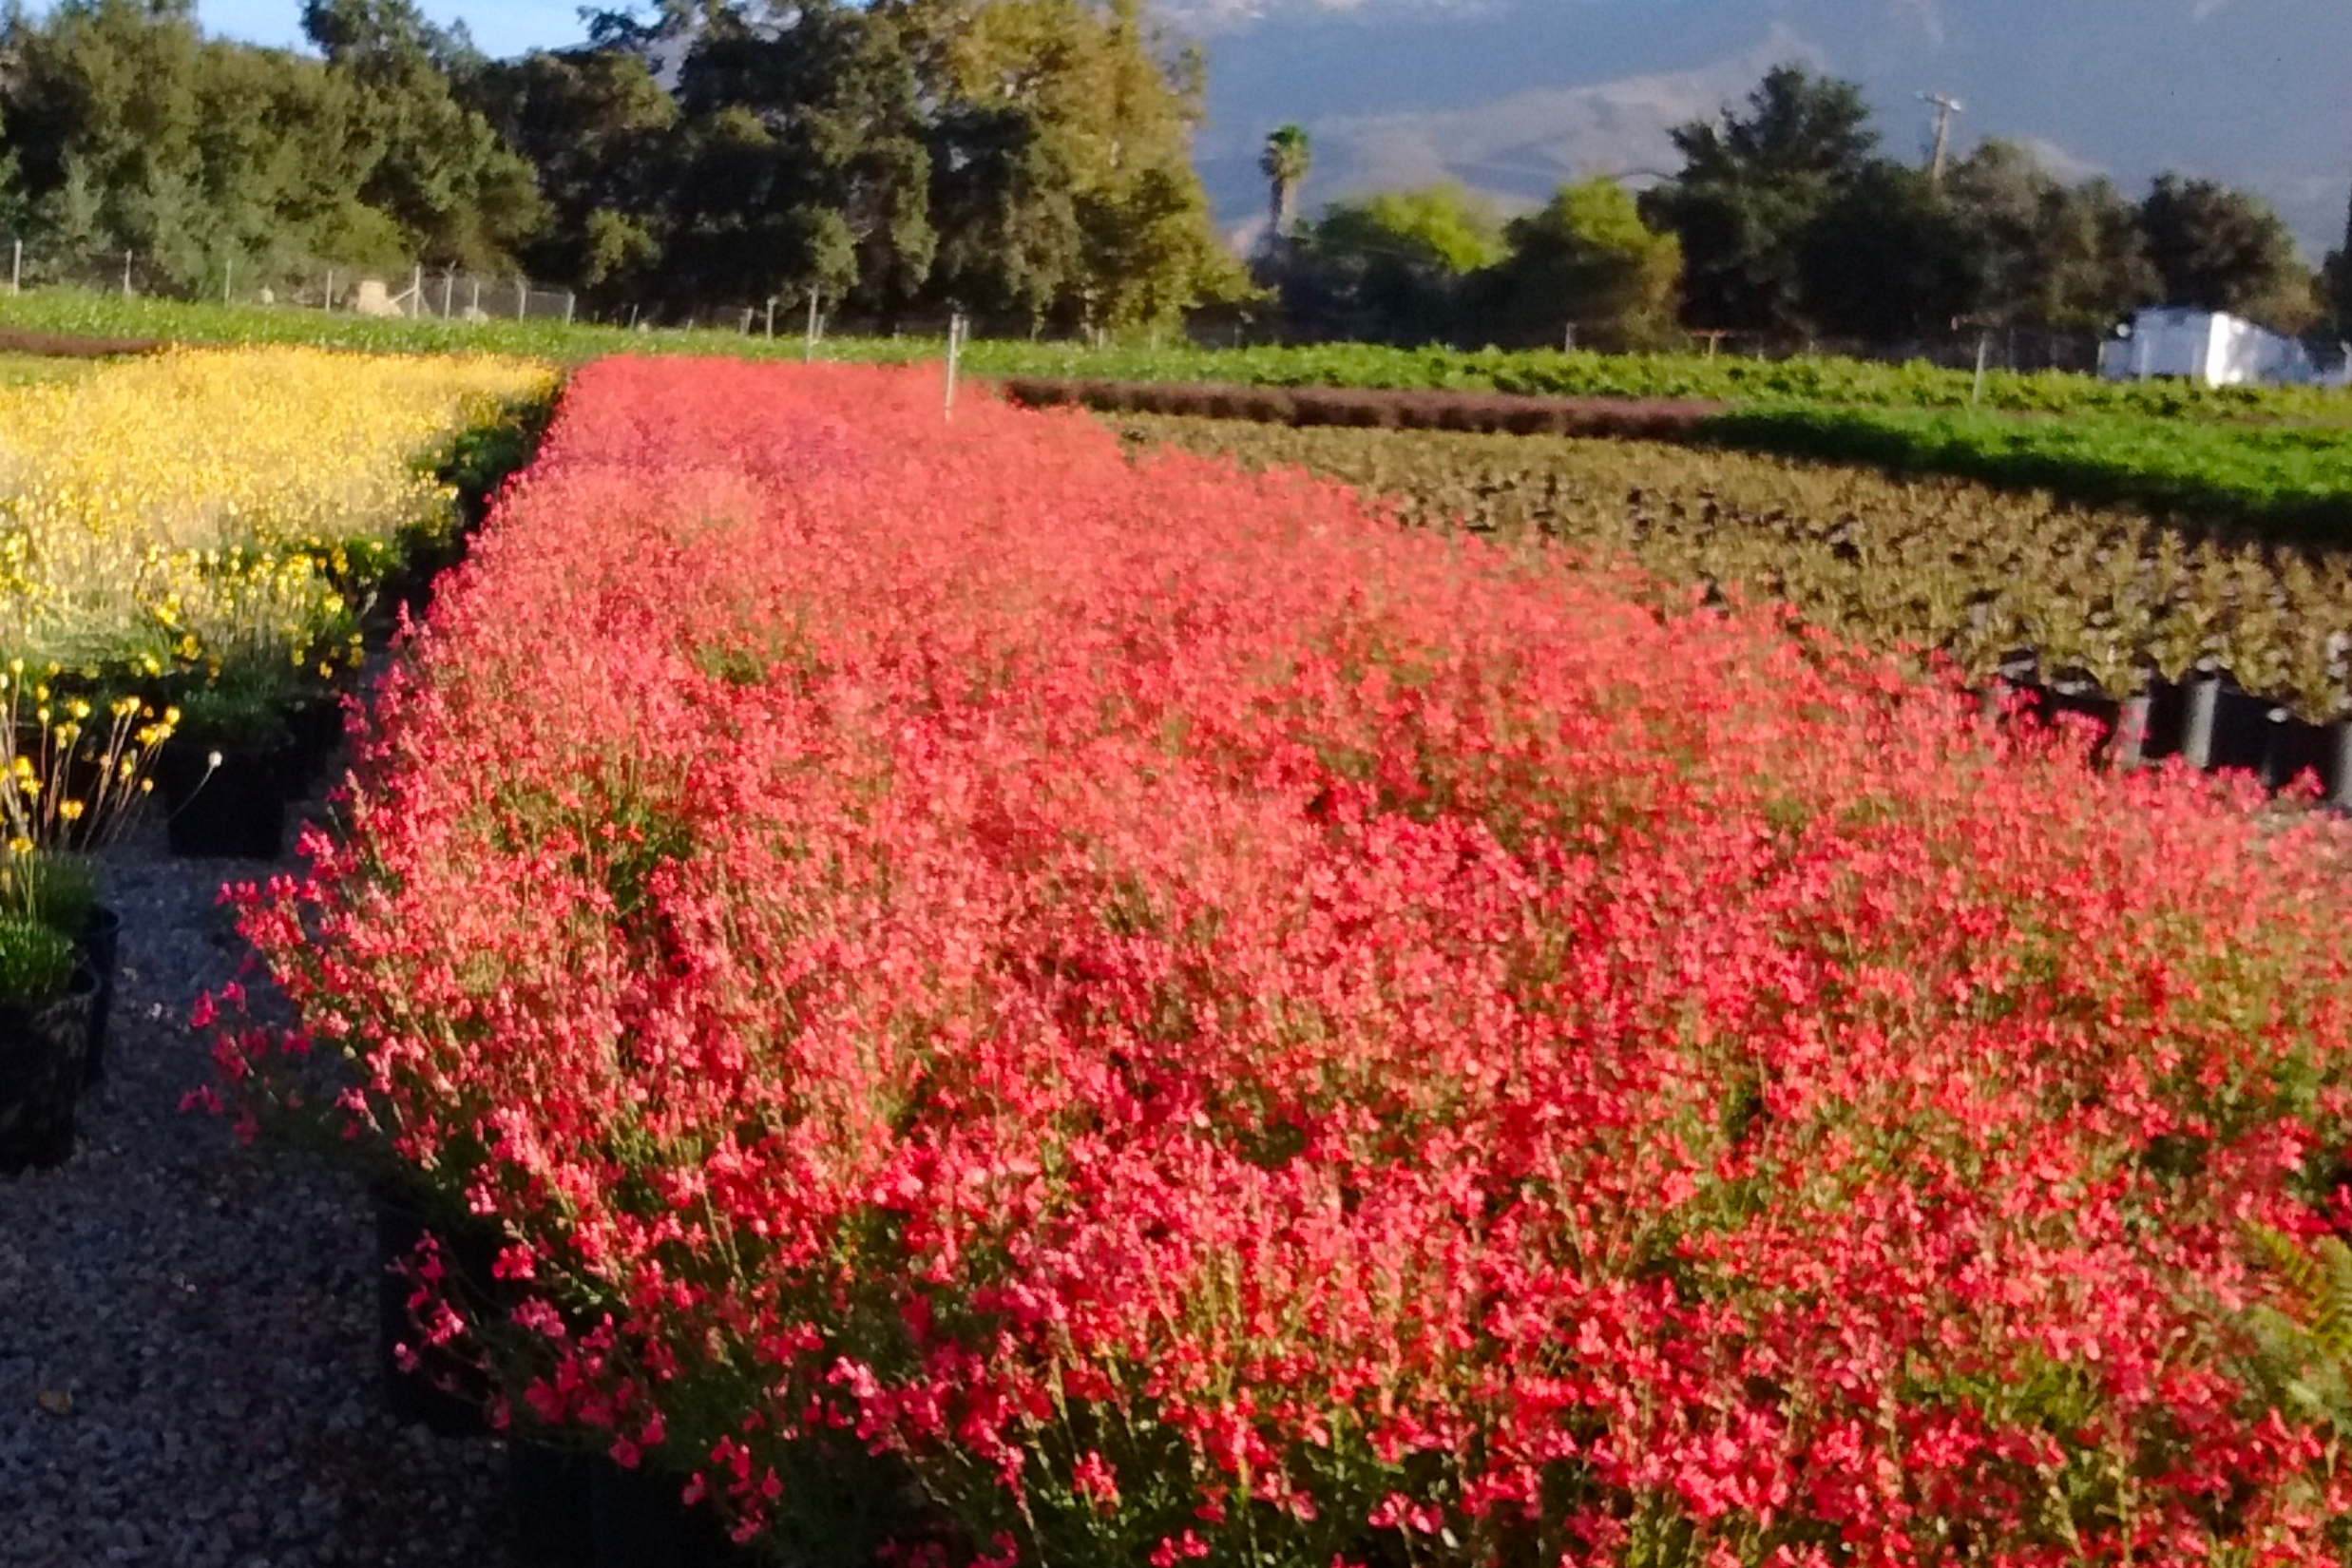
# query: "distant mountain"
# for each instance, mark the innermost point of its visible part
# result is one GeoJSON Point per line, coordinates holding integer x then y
{"type": "Point", "coordinates": [1513, 96]}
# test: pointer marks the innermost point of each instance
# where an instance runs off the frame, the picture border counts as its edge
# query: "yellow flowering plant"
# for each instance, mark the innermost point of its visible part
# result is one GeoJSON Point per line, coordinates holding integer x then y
{"type": "Point", "coordinates": [170, 514]}
{"type": "Point", "coordinates": [75, 772]}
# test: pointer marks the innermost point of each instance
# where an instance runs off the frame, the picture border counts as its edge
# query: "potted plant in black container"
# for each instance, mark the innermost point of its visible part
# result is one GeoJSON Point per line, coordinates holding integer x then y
{"type": "Point", "coordinates": [61, 891]}
{"type": "Point", "coordinates": [81, 764]}
{"type": "Point", "coordinates": [44, 1021]}
{"type": "Point", "coordinates": [223, 771]}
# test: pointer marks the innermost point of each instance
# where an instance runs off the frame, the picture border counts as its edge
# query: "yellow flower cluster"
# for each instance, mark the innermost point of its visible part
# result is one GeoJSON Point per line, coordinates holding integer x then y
{"type": "Point", "coordinates": [78, 766]}
{"type": "Point", "coordinates": [184, 508]}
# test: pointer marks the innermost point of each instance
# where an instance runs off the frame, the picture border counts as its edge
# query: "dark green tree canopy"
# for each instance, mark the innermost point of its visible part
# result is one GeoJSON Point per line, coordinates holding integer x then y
{"type": "Point", "coordinates": [2224, 250]}
{"type": "Point", "coordinates": [2068, 256]}
{"type": "Point", "coordinates": [1389, 267]}
{"type": "Point", "coordinates": [1798, 127]}
{"type": "Point", "coordinates": [1025, 158]}
{"type": "Point", "coordinates": [1888, 258]}
{"type": "Point", "coordinates": [1750, 184]}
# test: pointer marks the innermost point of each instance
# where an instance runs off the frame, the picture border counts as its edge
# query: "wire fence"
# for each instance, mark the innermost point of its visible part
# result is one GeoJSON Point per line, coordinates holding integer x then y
{"type": "Point", "coordinates": [413, 292]}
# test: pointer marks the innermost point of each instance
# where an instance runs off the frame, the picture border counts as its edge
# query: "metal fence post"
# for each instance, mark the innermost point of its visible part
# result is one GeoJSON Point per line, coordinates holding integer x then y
{"type": "Point", "coordinates": [570, 300]}
{"type": "Point", "coordinates": [522, 298]}
{"type": "Point", "coordinates": [808, 347]}
{"type": "Point", "coordinates": [955, 347]}
{"type": "Point", "coordinates": [127, 266]}
{"type": "Point", "coordinates": [16, 270]}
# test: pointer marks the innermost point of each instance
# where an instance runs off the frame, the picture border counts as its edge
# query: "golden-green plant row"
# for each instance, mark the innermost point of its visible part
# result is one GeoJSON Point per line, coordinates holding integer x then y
{"type": "Point", "coordinates": [195, 506]}
{"type": "Point", "coordinates": [1899, 564]}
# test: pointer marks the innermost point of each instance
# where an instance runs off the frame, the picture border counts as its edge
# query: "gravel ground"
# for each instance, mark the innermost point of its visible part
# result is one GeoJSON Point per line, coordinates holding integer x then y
{"type": "Point", "coordinates": [188, 1353]}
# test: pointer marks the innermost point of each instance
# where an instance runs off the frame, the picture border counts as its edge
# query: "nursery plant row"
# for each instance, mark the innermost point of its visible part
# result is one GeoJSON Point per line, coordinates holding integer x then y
{"type": "Point", "coordinates": [1035, 1005]}
{"type": "Point", "coordinates": [216, 523]}
{"type": "Point", "coordinates": [1821, 379]}
{"type": "Point", "coordinates": [2280, 480]}
{"type": "Point", "coordinates": [2107, 596]}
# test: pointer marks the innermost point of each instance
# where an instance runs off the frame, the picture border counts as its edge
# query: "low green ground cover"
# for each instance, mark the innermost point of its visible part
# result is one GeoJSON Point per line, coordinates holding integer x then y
{"type": "Point", "coordinates": [2282, 480]}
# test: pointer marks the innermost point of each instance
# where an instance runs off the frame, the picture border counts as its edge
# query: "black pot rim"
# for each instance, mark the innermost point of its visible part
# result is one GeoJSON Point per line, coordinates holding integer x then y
{"type": "Point", "coordinates": [82, 986]}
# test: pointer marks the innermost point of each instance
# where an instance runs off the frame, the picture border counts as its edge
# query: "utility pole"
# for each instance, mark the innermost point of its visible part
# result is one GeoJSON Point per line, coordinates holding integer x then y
{"type": "Point", "coordinates": [1946, 106]}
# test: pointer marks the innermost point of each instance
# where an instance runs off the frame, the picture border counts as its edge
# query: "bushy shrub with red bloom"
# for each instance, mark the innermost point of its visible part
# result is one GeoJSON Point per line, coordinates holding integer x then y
{"type": "Point", "coordinates": [1134, 1013]}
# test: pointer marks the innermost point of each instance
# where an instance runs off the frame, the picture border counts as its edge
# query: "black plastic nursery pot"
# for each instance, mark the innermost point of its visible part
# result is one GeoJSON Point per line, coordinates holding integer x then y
{"type": "Point", "coordinates": [550, 1489]}
{"type": "Point", "coordinates": [440, 1390]}
{"type": "Point", "coordinates": [314, 729]}
{"type": "Point", "coordinates": [101, 944]}
{"type": "Point", "coordinates": [2242, 731]}
{"type": "Point", "coordinates": [640, 1520]}
{"type": "Point", "coordinates": [235, 808]}
{"type": "Point", "coordinates": [2084, 700]}
{"type": "Point", "coordinates": [43, 1045]}
{"type": "Point", "coordinates": [2168, 720]}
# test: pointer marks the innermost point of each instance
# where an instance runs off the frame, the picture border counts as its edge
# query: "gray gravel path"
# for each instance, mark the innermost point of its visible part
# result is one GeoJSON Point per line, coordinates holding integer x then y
{"type": "Point", "coordinates": [188, 1326]}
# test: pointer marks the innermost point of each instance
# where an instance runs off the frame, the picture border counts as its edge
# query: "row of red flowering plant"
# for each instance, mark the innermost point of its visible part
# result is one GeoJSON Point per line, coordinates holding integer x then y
{"type": "Point", "coordinates": [1042, 1008]}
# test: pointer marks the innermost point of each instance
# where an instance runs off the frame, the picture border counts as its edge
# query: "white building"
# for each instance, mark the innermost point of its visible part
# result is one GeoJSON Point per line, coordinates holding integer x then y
{"type": "Point", "coordinates": [2212, 347]}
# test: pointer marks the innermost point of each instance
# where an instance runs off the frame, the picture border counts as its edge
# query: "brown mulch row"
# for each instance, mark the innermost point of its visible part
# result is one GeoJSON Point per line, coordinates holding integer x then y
{"type": "Point", "coordinates": [67, 346]}
{"type": "Point", "coordinates": [1663, 419]}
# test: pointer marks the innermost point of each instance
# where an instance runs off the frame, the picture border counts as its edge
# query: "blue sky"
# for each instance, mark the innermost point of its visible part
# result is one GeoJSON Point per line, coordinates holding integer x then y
{"type": "Point", "coordinates": [508, 26]}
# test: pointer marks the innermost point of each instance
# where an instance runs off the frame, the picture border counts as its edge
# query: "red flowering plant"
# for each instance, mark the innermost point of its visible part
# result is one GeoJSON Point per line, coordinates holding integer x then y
{"type": "Point", "coordinates": [1070, 1009]}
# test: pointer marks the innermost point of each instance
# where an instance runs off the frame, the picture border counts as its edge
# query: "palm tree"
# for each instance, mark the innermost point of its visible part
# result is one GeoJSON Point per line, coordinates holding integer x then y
{"type": "Point", "coordinates": [1284, 164]}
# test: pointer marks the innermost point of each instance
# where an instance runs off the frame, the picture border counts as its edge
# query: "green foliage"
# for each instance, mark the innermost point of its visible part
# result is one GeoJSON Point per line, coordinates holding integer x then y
{"type": "Point", "coordinates": [2287, 480]}
{"type": "Point", "coordinates": [799, 160]}
{"type": "Point", "coordinates": [1444, 228]}
{"type": "Point", "coordinates": [1788, 226]}
{"type": "Point", "coordinates": [1887, 258]}
{"type": "Point", "coordinates": [593, 124]}
{"type": "Point", "coordinates": [2224, 250]}
{"type": "Point", "coordinates": [131, 130]}
{"type": "Point", "coordinates": [440, 170]}
{"type": "Point", "coordinates": [36, 960]}
{"type": "Point", "coordinates": [1391, 267]}
{"type": "Point", "coordinates": [1586, 257]}
{"type": "Point", "coordinates": [2066, 256]}
{"type": "Point", "coordinates": [59, 890]}
{"type": "Point", "coordinates": [482, 457]}
{"type": "Point", "coordinates": [723, 153]}
{"type": "Point", "coordinates": [2302, 1343]}
{"type": "Point", "coordinates": [244, 706]}
{"type": "Point", "coordinates": [1749, 187]}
